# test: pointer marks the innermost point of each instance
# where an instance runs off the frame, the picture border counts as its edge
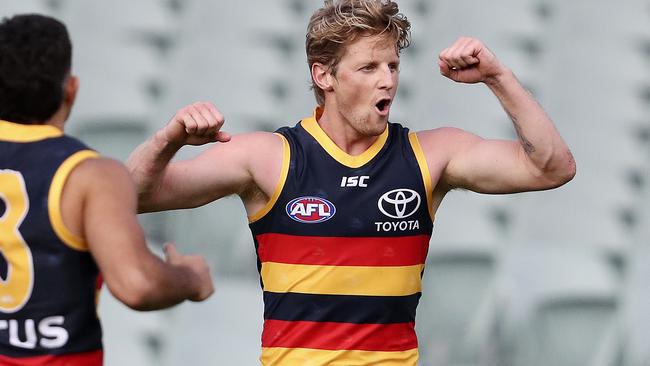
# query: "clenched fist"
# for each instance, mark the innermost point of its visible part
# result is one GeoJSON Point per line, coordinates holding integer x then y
{"type": "Point", "coordinates": [468, 60]}
{"type": "Point", "coordinates": [196, 124]}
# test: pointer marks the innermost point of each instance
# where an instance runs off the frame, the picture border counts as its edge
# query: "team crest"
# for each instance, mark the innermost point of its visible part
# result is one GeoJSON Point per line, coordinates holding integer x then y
{"type": "Point", "coordinates": [310, 210]}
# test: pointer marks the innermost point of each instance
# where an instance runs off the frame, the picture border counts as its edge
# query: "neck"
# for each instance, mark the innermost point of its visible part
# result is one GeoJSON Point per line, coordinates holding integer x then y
{"type": "Point", "coordinates": [342, 132]}
{"type": "Point", "coordinates": [58, 119]}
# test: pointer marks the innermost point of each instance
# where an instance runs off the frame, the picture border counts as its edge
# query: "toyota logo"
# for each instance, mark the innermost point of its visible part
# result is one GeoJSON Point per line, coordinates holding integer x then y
{"type": "Point", "coordinates": [399, 203]}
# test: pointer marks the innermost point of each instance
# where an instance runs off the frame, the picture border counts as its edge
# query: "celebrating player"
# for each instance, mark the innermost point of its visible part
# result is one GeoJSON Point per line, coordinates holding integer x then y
{"type": "Point", "coordinates": [341, 206]}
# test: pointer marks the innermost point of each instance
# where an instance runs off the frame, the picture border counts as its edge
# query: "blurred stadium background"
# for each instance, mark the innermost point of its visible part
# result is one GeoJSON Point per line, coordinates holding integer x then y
{"type": "Point", "coordinates": [550, 278]}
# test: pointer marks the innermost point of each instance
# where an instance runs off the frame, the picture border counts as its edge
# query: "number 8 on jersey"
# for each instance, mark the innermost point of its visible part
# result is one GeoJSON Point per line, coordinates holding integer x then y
{"type": "Point", "coordinates": [16, 287]}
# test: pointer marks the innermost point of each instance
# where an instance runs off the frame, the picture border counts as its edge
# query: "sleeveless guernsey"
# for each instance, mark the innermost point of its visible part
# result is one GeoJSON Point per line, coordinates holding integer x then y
{"type": "Point", "coordinates": [341, 249]}
{"type": "Point", "coordinates": [48, 278]}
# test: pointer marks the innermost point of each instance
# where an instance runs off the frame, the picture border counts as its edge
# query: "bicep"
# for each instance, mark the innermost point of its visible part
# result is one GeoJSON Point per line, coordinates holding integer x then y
{"type": "Point", "coordinates": [484, 165]}
{"type": "Point", "coordinates": [493, 166]}
{"type": "Point", "coordinates": [224, 169]}
{"type": "Point", "coordinates": [214, 174]}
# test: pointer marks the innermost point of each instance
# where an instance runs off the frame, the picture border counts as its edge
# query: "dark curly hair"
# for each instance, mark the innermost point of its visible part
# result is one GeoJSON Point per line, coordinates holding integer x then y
{"type": "Point", "coordinates": [35, 58]}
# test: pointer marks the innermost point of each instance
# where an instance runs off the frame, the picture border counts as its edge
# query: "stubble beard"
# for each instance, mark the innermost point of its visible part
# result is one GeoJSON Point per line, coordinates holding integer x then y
{"type": "Point", "coordinates": [372, 128]}
{"type": "Point", "coordinates": [366, 126]}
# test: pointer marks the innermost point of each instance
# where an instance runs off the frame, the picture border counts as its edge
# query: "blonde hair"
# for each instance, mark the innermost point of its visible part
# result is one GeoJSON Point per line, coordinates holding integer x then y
{"type": "Point", "coordinates": [340, 22]}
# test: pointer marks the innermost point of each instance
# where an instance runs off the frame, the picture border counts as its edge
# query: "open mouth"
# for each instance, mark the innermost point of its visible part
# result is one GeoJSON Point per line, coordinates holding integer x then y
{"type": "Point", "coordinates": [382, 105]}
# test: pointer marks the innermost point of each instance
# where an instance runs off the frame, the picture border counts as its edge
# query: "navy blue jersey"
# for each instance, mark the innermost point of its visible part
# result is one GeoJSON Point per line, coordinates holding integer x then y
{"type": "Point", "coordinates": [341, 250]}
{"type": "Point", "coordinates": [49, 278]}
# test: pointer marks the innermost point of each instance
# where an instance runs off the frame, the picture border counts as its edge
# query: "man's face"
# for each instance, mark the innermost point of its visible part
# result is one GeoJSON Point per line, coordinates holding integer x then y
{"type": "Point", "coordinates": [365, 84]}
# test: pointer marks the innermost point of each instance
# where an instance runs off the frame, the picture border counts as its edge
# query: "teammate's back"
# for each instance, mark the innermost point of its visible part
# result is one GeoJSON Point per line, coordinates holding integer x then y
{"type": "Point", "coordinates": [66, 214]}
{"type": "Point", "coordinates": [47, 304]}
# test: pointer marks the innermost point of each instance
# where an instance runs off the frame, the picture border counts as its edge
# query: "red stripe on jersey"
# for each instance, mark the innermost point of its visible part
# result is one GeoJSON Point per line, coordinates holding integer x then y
{"type": "Point", "coordinates": [99, 281]}
{"type": "Point", "coordinates": [339, 336]}
{"type": "Point", "coordinates": [93, 358]}
{"type": "Point", "coordinates": [343, 251]}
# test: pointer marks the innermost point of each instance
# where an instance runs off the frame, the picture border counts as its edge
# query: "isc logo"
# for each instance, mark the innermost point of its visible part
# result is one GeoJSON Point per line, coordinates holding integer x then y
{"type": "Point", "coordinates": [356, 181]}
{"type": "Point", "coordinates": [310, 210]}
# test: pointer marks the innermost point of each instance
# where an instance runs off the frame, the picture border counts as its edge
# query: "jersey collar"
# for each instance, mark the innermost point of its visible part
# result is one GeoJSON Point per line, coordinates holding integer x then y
{"type": "Point", "coordinates": [311, 125]}
{"type": "Point", "coordinates": [17, 132]}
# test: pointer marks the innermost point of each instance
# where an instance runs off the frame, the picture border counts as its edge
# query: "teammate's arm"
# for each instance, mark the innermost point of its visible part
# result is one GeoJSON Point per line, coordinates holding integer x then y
{"type": "Point", "coordinates": [539, 160]}
{"type": "Point", "coordinates": [133, 274]}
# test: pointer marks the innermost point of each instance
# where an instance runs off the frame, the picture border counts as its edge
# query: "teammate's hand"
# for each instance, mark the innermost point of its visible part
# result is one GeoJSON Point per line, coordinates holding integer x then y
{"type": "Point", "coordinates": [197, 267]}
{"type": "Point", "coordinates": [468, 60]}
{"type": "Point", "coordinates": [196, 124]}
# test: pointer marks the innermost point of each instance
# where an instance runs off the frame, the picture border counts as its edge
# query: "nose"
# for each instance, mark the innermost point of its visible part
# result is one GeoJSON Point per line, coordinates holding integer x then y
{"type": "Point", "coordinates": [388, 77]}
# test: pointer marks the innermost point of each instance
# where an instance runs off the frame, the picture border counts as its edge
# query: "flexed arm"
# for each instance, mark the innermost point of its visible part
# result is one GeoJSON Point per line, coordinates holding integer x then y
{"type": "Point", "coordinates": [539, 160]}
{"type": "Point", "coordinates": [157, 182]}
{"type": "Point", "coordinates": [248, 164]}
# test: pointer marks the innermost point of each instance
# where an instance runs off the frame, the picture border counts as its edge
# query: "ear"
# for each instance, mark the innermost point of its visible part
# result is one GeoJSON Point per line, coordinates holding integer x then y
{"type": "Point", "coordinates": [322, 76]}
{"type": "Point", "coordinates": [70, 90]}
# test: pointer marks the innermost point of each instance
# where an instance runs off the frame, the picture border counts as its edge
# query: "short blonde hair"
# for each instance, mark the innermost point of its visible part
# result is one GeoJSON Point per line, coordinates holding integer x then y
{"type": "Point", "coordinates": [340, 22]}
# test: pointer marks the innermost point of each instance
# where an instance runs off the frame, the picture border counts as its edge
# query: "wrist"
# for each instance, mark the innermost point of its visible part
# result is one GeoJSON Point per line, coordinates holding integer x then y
{"type": "Point", "coordinates": [499, 78]}
{"type": "Point", "coordinates": [164, 144]}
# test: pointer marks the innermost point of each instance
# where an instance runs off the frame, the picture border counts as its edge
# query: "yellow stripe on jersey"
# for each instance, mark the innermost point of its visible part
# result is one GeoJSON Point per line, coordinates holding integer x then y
{"type": "Point", "coordinates": [54, 199]}
{"type": "Point", "coordinates": [303, 356]}
{"type": "Point", "coordinates": [286, 155]}
{"type": "Point", "coordinates": [311, 125]}
{"type": "Point", "coordinates": [424, 169]}
{"type": "Point", "coordinates": [342, 280]}
{"type": "Point", "coordinates": [16, 132]}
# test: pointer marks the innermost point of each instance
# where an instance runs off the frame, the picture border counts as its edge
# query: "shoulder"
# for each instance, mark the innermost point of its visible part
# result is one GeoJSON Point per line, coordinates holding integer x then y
{"type": "Point", "coordinates": [445, 139]}
{"type": "Point", "coordinates": [442, 133]}
{"type": "Point", "coordinates": [443, 145]}
{"type": "Point", "coordinates": [102, 165]}
{"type": "Point", "coordinates": [94, 185]}
{"type": "Point", "coordinates": [101, 172]}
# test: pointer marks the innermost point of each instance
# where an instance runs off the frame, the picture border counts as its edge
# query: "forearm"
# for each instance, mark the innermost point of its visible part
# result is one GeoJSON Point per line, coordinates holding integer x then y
{"type": "Point", "coordinates": [163, 285]}
{"type": "Point", "coordinates": [540, 142]}
{"type": "Point", "coordinates": [147, 165]}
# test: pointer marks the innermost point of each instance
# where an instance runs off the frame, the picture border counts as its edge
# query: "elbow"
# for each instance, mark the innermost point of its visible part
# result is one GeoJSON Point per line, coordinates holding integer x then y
{"type": "Point", "coordinates": [146, 200]}
{"type": "Point", "coordinates": [567, 169]}
{"type": "Point", "coordinates": [150, 201]}
{"type": "Point", "coordinates": [563, 171]}
{"type": "Point", "coordinates": [144, 206]}
{"type": "Point", "coordinates": [136, 301]}
{"type": "Point", "coordinates": [135, 292]}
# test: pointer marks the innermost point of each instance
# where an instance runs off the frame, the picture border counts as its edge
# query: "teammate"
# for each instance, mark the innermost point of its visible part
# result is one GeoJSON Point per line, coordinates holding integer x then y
{"type": "Point", "coordinates": [64, 212]}
{"type": "Point", "coordinates": [341, 206]}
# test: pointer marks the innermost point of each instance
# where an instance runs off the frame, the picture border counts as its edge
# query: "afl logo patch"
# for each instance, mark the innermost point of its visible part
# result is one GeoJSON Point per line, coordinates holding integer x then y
{"type": "Point", "coordinates": [310, 210]}
{"type": "Point", "coordinates": [399, 203]}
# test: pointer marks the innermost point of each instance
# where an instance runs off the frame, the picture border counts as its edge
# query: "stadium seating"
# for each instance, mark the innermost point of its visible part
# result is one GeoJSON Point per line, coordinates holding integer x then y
{"type": "Point", "coordinates": [224, 330]}
{"type": "Point", "coordinates": [636, 302]}
{"type": "Point", "coordinates": [560, 306]}
{"type": "Point", "coordinates": [545, 278]}
{"type": "Point", "coordinates": [458, 310]}
{"type": "Point", "coordinates": [11, 7]}
{"type": "Point", "coordinates": [133, 338]}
